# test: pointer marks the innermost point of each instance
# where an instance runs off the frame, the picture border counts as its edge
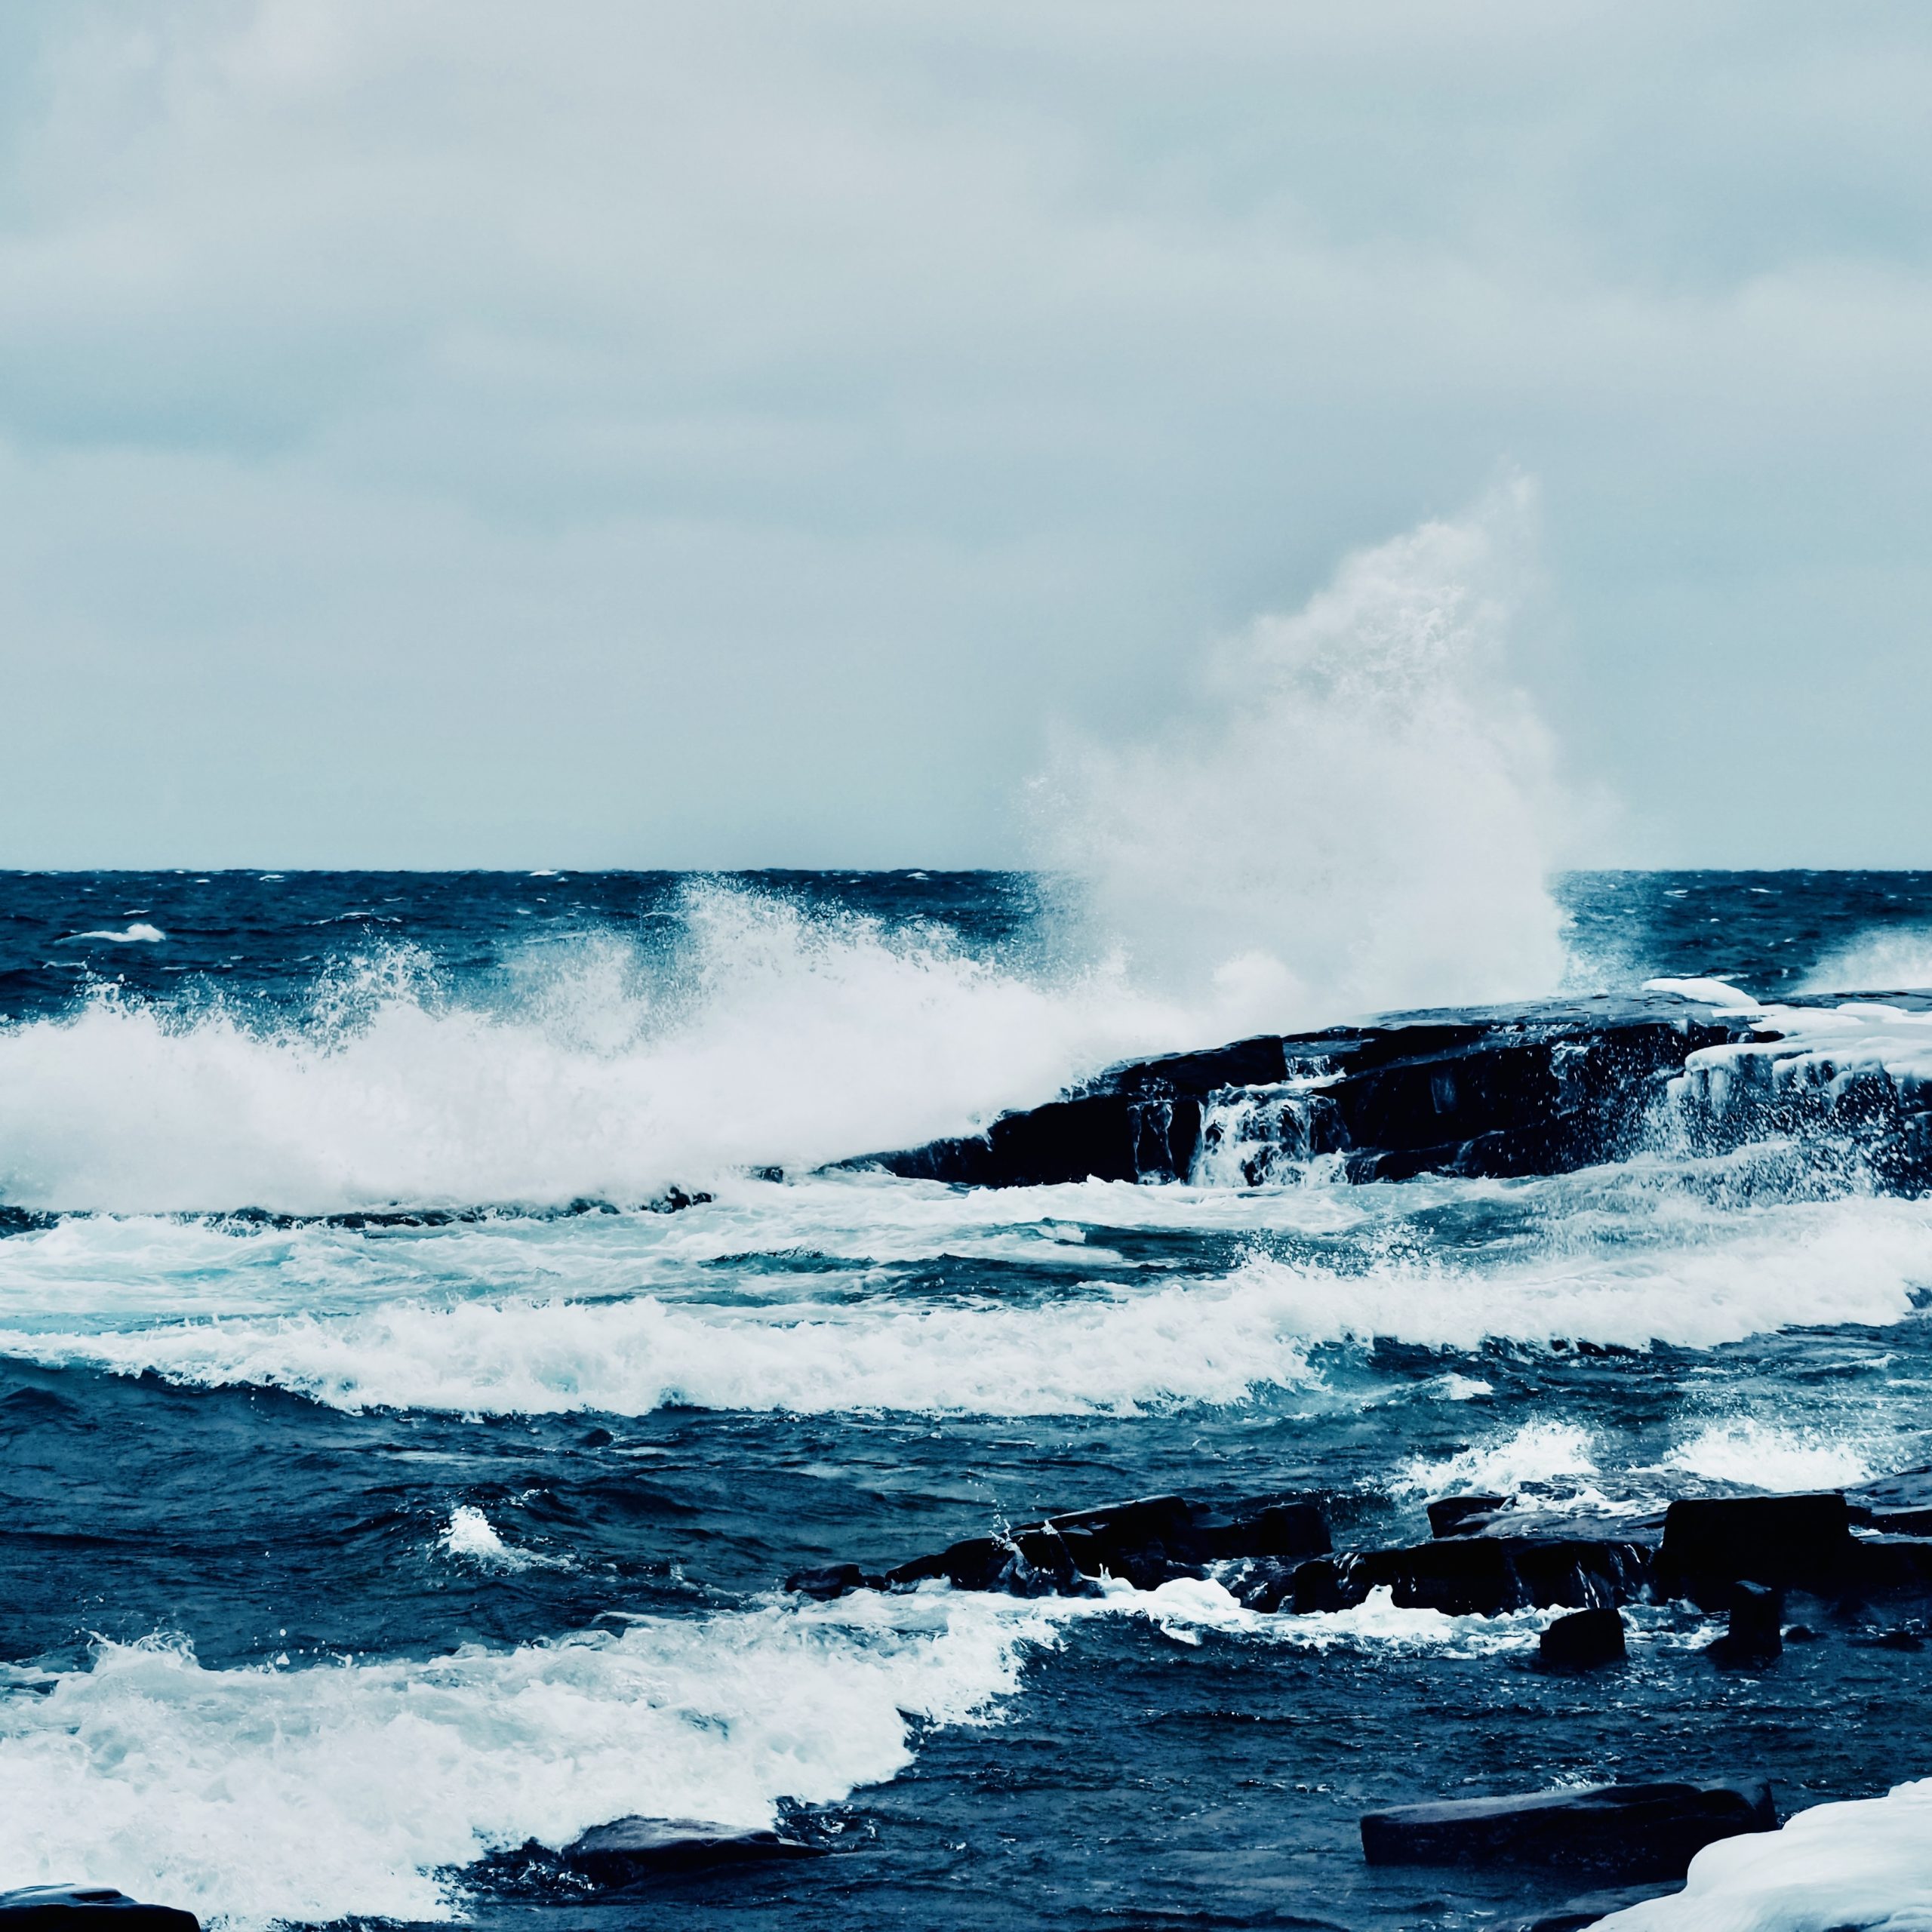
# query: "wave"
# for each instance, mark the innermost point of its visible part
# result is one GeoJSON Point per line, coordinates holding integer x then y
{"type": "Point", "coordinates": [760, 1035]}
{"type": "Point", "coordinates": [1538, 1455]}
{"type": "Point", "coordinates": [1759, 1455]}
{"type": "Point", "coordinates": [1096, 1346]}
{"type": "Point", "coordinates": [1362, 821]}
{"type": "Point", "coordinates": [313, 1793]}
{"type": "Point", "coordinates": [1887, 959]}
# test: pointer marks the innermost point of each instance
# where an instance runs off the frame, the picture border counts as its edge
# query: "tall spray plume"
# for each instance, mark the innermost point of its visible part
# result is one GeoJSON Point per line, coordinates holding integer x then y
{"type": "Point", "coordinates": [1363, 813]}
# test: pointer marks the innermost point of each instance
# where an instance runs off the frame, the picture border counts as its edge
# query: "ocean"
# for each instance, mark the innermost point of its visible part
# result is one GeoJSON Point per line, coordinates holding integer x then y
{"type": "Point", "coordinates": [439, 1312]}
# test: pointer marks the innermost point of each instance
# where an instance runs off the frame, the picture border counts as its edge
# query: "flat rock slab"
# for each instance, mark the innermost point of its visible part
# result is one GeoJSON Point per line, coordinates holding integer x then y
{"type": "Point", "coordinates": [73, 1908]}
{"type": "Point", "coordinates": [629, 1849]}
{"type": "Point", "coordinates": [1630, 1833]}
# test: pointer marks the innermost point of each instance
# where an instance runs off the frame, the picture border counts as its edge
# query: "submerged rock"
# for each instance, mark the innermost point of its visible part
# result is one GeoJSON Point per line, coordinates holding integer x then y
{"type": "Point", "coordinates": [1899, 1505]}
{"type": "Point", "coordinates": [59, 1908]}
{"type": "Point", "coordinates": [629, 1849]}
{"type": "Point", "coordinates": [1632, 1831]}
{"type": "Point", "coordinates": [1574, 1914]}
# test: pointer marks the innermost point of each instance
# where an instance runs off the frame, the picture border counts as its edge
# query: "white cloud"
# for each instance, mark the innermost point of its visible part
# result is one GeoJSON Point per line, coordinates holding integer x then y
{"type": "Point", "coordinates": [722, 432]}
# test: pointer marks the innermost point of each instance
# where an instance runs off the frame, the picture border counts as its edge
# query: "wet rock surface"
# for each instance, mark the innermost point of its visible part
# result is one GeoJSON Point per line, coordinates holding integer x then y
{"type": "Point", "coordinates": [1586, 1909]}
{"type": "Point", "coordinates": [57, 1908]}
{"type": "Point", "coordinates": [629, 1849]}
{"type": "Point", "coordinates": [1734, 1554]}
{"type": "Point", "coordinates": [1585, 1640]}
{"type": "Point", "coordinates": [1520, 1091]}
{"type": "Point", "coordinates": [1632, 1832]}
{"type": "Point", "coordinates": [1755, 1635]}
{"type": "Point", "coordinates": [1146, 1542]}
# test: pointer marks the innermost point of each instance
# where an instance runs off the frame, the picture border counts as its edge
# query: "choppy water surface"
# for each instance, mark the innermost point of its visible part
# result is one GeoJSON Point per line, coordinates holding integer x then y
{"type": "Point", "coordinates": [389, 1480]}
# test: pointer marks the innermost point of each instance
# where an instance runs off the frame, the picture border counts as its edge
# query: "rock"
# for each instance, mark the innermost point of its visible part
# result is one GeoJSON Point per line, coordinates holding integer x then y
{"type": "Point", "coordinates": [629, 1849]}
{"type": "Point", "coordinates": [1900, 1639]}
{"type": "Point", "coordinates": [1462, 1515]}
{"type": "Point", "coordinates": [1886, 1563]}
{"type": "Point", "coordinates": [1632, 1832]}
{"type": "Point", "coordinates": [1485, 1575]}
{"type": "Point", "coordinates": [830, 1582]}
{"type": "Point", "coordinates": [1787, 1541]}
{"type": "Point", "coordinates": [1899, 1506]}
{"type": "Point", "coordinates": [1574, 1914]}
{"type": "Point", "coordinates": [70, 1908]}
{"type": "Point", "coordinates": [1582, 1641]}
{"type": "Point", "coordinates": [1147, 1542]}
{"type": "Point", "coordinates": [1544, 1089]}
{"type": "Point", "coordinates": [1317, 1588]}
{"type": "Point", "coordinates": [1755, 1634]}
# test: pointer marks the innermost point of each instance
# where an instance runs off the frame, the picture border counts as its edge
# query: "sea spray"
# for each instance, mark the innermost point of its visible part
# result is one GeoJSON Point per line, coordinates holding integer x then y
{"type": "Point", "coordinates": [1365, 813]}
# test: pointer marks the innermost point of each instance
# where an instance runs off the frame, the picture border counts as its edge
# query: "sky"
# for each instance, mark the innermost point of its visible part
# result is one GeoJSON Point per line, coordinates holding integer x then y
{"type": "Point", "coordinates": [730, 432]}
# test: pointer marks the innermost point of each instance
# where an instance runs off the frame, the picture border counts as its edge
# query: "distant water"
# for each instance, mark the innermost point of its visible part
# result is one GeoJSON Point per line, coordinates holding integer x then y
{"type": "Point", "coordinates": [390, 1479]}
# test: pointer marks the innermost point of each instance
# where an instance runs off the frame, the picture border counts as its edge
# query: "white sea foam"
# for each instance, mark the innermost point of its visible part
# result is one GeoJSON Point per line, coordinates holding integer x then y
{"type": "Point", "coordinates": [1762, 1455]}
{"type": "Point", "coordinates": [1112, 1352]}
{"type": "Point", "coordinates": [139, 933]}
{"type": "Point", "coordinates": [470, 1534]}
{"type": "Point", "coordinates": [1539, 1452]}
{"type": "Point", "coordinates": [1185, 1608]}
{"type": "Point", "coordinates": [1119, 1344]}
{"type": "Point", "coordinates": [1364, 812]}
{"type": "Point", "coordinates": [1886, 959]}
{"type": "Point", "coordinates": [1719, 993]}
{"type": "Point", "coordinates": [1866, 1863]}
{"type": "Point", "coordinates": [764, 1036]}
{"type": "Point", "coordinates": [1366, 823]}
{"type": "Point", "coordinates": [311, 1793]}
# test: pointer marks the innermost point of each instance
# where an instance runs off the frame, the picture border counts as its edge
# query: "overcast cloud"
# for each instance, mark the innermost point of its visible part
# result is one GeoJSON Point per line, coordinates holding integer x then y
{"type": "Point", "coordinates": [737, 433]}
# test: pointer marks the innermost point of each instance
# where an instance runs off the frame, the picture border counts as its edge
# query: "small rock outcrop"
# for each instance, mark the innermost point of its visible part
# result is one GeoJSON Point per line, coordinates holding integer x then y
{"type": "Point", "coordinates": [1755, 1635]}
{"type": "Point", "coordinates": [1146, 1543]}
{"type": "Point", "coordinates": [629, 1849]}
{"type": "Point", "coordinates": [1585, 1640]}
{"type": "Point", "coordinates": [80, 1908]}
{"type": "Point", "coordinates": [1629, 1832]}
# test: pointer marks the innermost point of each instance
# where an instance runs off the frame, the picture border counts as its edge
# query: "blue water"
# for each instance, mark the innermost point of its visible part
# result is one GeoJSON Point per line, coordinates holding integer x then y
{"type": "Point", "coordinates": [391, 1478]}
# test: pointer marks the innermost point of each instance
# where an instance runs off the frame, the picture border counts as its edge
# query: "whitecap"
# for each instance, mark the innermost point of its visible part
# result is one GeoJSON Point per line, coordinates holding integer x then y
{"type": "Point", "coordinates": [138, 933]}
{"type": "Point", "coordinates": [1756, 1454]}
{"type": "Point", "coordinates": [312, 1793]}
{"type": "Point", "coordinates": [471, 1535]}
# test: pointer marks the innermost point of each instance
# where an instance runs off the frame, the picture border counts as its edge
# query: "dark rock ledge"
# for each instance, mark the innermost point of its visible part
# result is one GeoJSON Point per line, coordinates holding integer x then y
{"type": "Point", "coordinates": [1630, 1833]}
{"type": "Point", "coordinates": [87, 1908]}
{"type": "Point", "coordinates": [1542, 1089]}
{"type": "Point", "coordinates": [1483, 1558]}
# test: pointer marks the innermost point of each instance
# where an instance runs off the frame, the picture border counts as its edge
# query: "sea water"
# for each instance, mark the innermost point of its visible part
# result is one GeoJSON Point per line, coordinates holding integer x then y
{"type": "Point", "coordinates": [434, 1325]}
